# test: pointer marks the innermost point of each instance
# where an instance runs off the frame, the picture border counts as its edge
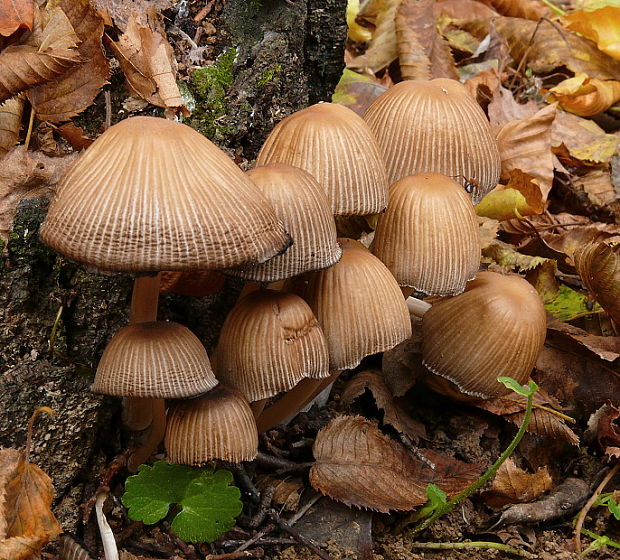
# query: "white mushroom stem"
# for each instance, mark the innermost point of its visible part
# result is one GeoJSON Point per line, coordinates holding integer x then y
{"type": "Point", "coordinates": [293, 401]}
{"type": "Point", "coordinates": [417, 307]}
{"type": "Point", "coordinates": [110, 550]}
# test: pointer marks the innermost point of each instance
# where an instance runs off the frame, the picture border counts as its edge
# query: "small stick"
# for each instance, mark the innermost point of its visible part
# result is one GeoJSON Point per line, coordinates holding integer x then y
{"type": "Point", "coordinates": [243, 480]}
{"type": "Point", "coordinates": [258, 536]}
{"type": "Point", "coordinates": [281, 465]}
{"type": "Point", "coordinates": [473, 544]}
{"type": "Point", "coordinates": [230, 555]}
{"type": "Point", "coordinates": [204, 12]}
{"type": "Point", "coordinates": [265, 503]}
{"type": "Point", "coordinates": [30, 125]}
{"type": "Point", "coordinates": [305, 541]}
{"type": "Point", "coordinates": [582, 514]}
{"type": "Point", "coordinates": [108, 110]}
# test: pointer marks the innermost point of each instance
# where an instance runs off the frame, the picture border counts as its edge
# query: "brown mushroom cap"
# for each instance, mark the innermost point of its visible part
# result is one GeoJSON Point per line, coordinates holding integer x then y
{"type": "Point", "coordinates": [216, 425]}
{"type": "Point", "coordinates": [301, 204]}
{"type": "Point", "coordinates": [359, 305]}
{"type": "Point", "coordinates": [428, 236]}
{"type": "Point", "coordinates": [152, 194]}
{"type": "Point", "coordinates": [334, 145]}
{"type": "Point", "coordinates": [495, 328]}
{"type": "Point", "coordinates": [268, 343]}
{"type": "Point", "coordinates": [154, 360]}
{"type": "Point", "coordinates": [435, 126]}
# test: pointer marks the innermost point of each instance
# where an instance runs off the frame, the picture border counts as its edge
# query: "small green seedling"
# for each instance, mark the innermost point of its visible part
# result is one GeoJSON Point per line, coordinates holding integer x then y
{"type": "Point", "coordinates": [205, 503]}
{"type": "Point", "coordinates": [607, 500]}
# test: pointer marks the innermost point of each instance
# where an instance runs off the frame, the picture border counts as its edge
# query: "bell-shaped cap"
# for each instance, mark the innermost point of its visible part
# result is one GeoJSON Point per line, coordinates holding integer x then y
{"type": "Point", "coordinates": [335, 146]}
{"type": "Point", "coordinates": [154, 360]}
{"type": "Point", "coordinates": [495, 328]}
{"type": "Point", "coordinates": [428, 236]}
{"type": "Point", "coordinates": [269, 342]}
{"type": "Point", "coordinates": [152, 194]}
{"type": "Point", "coordinates": [216, 425]}
{"type": "Point", "coordinates": [436, 126]}
{"type": "Point", "coordinates": [302, 206]}
{"type": "Point", "coordinates": [359, 305]}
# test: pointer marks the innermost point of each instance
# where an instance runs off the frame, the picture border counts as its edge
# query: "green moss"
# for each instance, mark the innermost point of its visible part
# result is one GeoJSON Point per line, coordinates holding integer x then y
{"type": "Point", "coordinates": [271, 76]}
{"type": "Point", "coordinates": [209, 87]}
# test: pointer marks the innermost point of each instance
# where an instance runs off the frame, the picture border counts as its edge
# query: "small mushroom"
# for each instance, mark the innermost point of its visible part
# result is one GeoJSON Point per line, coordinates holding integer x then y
{"type": "Point", "coordinates": [435, 126]}
{"type": "Point", "coordinates": [428, 236]}
{"type": "Point", "coordinates": [495, 328]}
{"type": "Point", "coordinates": [334, 145]}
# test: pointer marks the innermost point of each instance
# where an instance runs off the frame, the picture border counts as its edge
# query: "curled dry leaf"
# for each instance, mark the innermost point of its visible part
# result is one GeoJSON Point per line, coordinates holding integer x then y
{"type": "Point", "coordinates": [569, 240]}
{"type": "Point", "coordinates": [514, 485]}
{"type": "Point", "coordinates": [598, 265]}
{"type": "Point", "coordinates": [358, 465]}
{"type": "Point", "coordinates": [402, 365]}
{"type": "Point", "coordinates": [520, 197]}
{"type": "Point", "coordinates": [119, 12]}
{"type": "Point", "coordinates": [604, 427]}
{"type": "Point", "coordinates": [422, 52]}
{"type": "Point", "coordinates": [526, 144]}
{"type": "Point", "coordinates": [601, 26]}
{"type": "Point", "coordinates": [527, 9]}
{"type": "Point", "coordinates": [148, 64]}
{"type": "Point", "coordinates": [27, 174]}
{"type": "Point", "coordinates": [287, 492]}
{"type": "Point", "coordinates": [605, 347]}
{"type": "Point", "coordinates": [73, 91]}
{"type": "Point", "coordinates": [26, 520]}
{"type": "Point", "coordinates": [393, 411]}
{"type": "Point", "coordinates": [597, 184]}
{"type": "Point", "coordinates": [585, 96]}
{"type": "Point", "coordinates": [10, 122]}
{"type": "Point", "coordinates": [14, 15]}
{"type": "Point", "coordinates": [47, 52]}
{"type": "Point", "coordinates": [75, 136]}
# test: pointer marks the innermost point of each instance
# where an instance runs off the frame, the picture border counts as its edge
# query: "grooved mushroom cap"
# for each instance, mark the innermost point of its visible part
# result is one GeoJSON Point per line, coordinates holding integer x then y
{"type": "Point", "coordinates": [428, 236]}
{"type": "Point", "coordinates": [269, 342]}
{"type": "Point", "coordinates": [154, 360]}
{"type": "Point", "coordinates": [334, 145]}
{"type": "Point", "coordinates": [152, 194]}
{"type": "Point", "coordinates": [216, 425]}
{"type": "Point", "coordinates": [359, 305]}
{"type": "Point", "coordinates": [495, 328]}
{"type": "Point", "coordinates": [435, 126]}
{"type": "Point", "coordinates": [301, 204]}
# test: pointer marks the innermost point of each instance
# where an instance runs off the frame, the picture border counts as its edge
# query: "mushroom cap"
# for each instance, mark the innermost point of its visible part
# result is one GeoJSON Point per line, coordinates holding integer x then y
{"type": "Point", "coordinates": [436, 126]}
{"type": "Point", "coordinates": [154, 360]}
{"type": "Point", "coordinates": [428, 236]}
{"type": "Point", "coordinates": [216, 425]}
{"type": "Point", "coordinates": [495, 328]}
{"type": "Point", "coordinates": [302, 206]}
{"type": "Point", "coordinates": [269, 342]}
{"type": "Point", "coordinates": [359, 305]}
{"type": "Point", "coordinates": [334, 145]}
{"type": "Point", "coordinates": [152, 194]}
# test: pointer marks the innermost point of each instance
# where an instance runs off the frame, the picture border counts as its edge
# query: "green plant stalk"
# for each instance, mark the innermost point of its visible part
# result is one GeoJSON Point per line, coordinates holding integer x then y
{"type": "Point", "coordinates": [554, 8]}
{"type": "Point", "coordinates": [610, 542]}
{"type": "Point", "coordinates": [473, 544]}
{"type": "Point", "coordinates": [486, 476]}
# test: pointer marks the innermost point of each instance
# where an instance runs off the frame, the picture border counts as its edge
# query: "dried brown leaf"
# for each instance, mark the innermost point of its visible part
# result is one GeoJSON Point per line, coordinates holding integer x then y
{"type": "Point", "coordinates": [527, 9]}
{"type": "Point", "coordinates": [120, 11]}
{"type": "Point", "coordinates": [148, 64]}
{"type": "Point", "coordinates": [423, 53]}
{"type": "Point", "coordinates": [525, 144]}
{"type": "Point", "coordinates": [605, 428]}
{"type": "Point", "coordinates": [596, 183]}
{"type": "Point", "coordinates": [605, 347]}
{"type": "Point", "coordinates": [520, 197]}
{"type": "Point", "coordinates": [358, 465]}
{"type": "Point", "coordinates": [569, 240]}
{"type": "Point", "coordinates": [26, 494]}
{"type": "Point", "coordinates": [75, 136]}
{"type": "Point", "coordinates": [47, 52]}
{"type": "Point", "coordinates": [503, 108]}
{"type": "Point", "coordinates": [514, 485]}
{"type": "Point", "coordinates": [10, 122]}
{"type": "Point", "coordinates": [74, 91]}
{"type": "Point", "coordinates": [402, 365]}
{"type": "Point", "coordinates": [464, 9]}
{"type": "Point", "coordinates": [394, 412]}
{"type": "Point", "coordinates": [25, 174]}
{"type": "Point", "coordinates": [287, 492]}
{"type": "Point", "coordinates": [14, 15]}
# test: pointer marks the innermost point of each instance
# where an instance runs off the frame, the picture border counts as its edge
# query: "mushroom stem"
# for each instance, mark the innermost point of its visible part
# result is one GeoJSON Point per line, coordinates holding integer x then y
{"type": "Point", "coordinates": [293, 401]}
{"type": "Point", "coordinates": [137, 413]}
{"type": "Point", "coordinates": [153, 438]}
{"type": "Point", "coordinates": [417, 307]}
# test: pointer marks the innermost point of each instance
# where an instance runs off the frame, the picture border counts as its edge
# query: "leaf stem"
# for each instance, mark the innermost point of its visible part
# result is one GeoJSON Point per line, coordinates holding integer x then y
{"type": "Point", "coordinates": [554, 8]}
{"type": "Point", "coordinates": [490, 471]}
{"type": "Point", "coordinates": [473, 544]}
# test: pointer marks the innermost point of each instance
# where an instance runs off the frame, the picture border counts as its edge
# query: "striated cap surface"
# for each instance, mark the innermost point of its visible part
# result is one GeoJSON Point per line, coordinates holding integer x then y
{"type": "Point", "coordinates": [154, 360]}
{"type": "Point", "coordinates": [435, 126]}
{"type": "Point", "coordinates": [335, 146]}
{"type": "Point", "coordinates": [216, 425]}
{"type": "Point", "coordinates": [152, 194]}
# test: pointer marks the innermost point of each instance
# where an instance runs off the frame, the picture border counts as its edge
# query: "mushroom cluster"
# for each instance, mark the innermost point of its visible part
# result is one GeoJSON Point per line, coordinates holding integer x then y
{"type": "Point", "coordinates": [152, 195]}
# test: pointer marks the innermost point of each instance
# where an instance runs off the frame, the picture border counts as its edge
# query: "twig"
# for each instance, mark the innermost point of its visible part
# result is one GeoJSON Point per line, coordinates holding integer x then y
{"type": "Point", "coordinates": [108, 110]}
{"type": "Point", "coordinates": [413, 448]}
{"type": "Point", "coordinates": [259, 535]}
{"type": "Point", "coordinates": [473, 544]}
{"type": "Point", "coordinates": [582, 514]}
{"type": "Point", "coordinates": [265, 504]}
{"type": "Point", "coordinates": [231, 555]}
{"type": "Point", "coordinates": [244, 481]}
{"type": "Point", "coordinates": [301, 539]}
{"type": "Point", "coordinates": [281, 465]}
{"type": "Point", "coordinates": [302, 511]}
{"type": "Point", "coordinates": [204, 12]}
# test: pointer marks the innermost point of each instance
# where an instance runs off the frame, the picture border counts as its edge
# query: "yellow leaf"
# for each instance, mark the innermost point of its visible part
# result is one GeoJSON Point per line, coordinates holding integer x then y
{"type": "Point", "coordinates": [585, 96]}
{"type": "Point", "coordinates": [520, 197]}
{"type": "Point", "coordinates": [601, 26]}
{"type": "Point", "coordinates": [356, 31]}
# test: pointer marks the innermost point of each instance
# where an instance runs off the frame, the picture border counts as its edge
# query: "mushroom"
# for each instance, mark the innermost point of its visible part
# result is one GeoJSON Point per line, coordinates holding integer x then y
{"type": "Point", "coordinates": [435, 126]}
{"type": "Point", "coordinates": [495, 328]}
{"type": "Point", "coordinates": [216, 425]}
{"type": "Point", "coordinates": [333, 144]}
{"type": "Point", "coordinates": [428, 236]}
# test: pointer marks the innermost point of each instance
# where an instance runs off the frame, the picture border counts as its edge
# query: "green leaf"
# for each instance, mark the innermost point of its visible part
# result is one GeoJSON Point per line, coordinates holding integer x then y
{"type": "Point", "coordinates": [207, 503]}
{"type": "Point", "coordinates": [570, 304]}
{"type": "Point", "coordinates": [614, 508]}
{"type": "Point", "coordinates": [437, 501]}
{"type": "Point", "coordinates": [515, 386]}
